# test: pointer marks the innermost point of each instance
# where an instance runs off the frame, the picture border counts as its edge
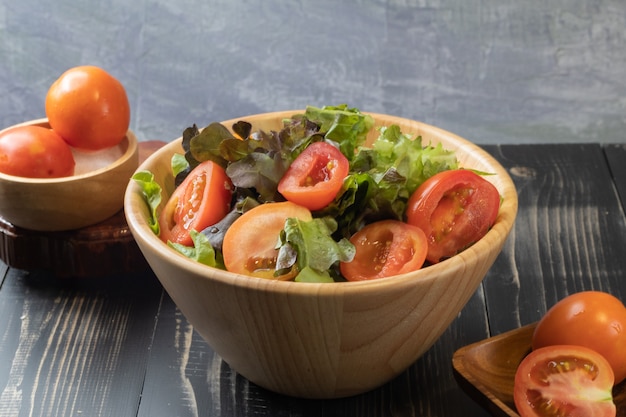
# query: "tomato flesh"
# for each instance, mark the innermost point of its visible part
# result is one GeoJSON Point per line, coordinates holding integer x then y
{"type": "Point", "coordinates": [315, 177]}
{"type": "Point", "coordinates": [455, 209]}
{"type": "Point", "coordinates": [200, 201]}
{"type": "Point", "coordinates": [35, 152]}
{"type": "Point", "coordinates": [385, 248]}
{"type": "Point", "coordinates": [249, 246]}
{"type": "Point", "coordinates": [593, 319]}
{"type": "Point", "coordinates": [564, 380]}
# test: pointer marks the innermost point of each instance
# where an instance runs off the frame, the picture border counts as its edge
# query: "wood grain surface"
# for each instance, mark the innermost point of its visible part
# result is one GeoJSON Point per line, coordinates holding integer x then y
{"type": "Point", "coordinates": [569, 237]}
{"type": "Point", "coordinates": [72, 348]}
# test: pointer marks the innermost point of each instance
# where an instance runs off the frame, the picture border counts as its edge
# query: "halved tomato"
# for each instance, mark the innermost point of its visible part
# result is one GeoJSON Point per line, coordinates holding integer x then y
{"type": "Point", "coordinates": [315, 177]}
{"type": "Point", "coordinates": [249, 246]}
{"type": "Point", "coordinates": [455, 209]}
{"type": "Point", "coordinates": [201, 200]}
{"type": "Point", "coordinates": [564, 380]}
{"type": "Point", "coordinates": [385, 248]}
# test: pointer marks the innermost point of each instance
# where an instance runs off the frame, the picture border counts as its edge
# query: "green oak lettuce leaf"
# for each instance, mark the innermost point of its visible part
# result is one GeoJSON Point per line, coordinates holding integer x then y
{"type": "Point", "coordinates": [151, 191]}
{"type": "Point", "coordinates": [348, 127]}
{"type": "Point", "coordinates": [310, 246]}
{"type": "Point", "coordinates": [409, 158]}
{"type": "Point", "coordinates": [201, 251]}
{"type": "Point", "coordinates": [179, 164]}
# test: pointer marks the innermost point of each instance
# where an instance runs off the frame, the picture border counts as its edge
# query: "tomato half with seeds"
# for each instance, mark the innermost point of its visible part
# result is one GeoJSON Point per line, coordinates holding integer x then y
{"type": "Point", "coordinates": [385, 248]}
{"type": "Point", "coordinates": [249, 246]}
{"type": "Point", "coordinates": [315, 177]}
{"type": "Point", "coordinates": [455, 209]}
{"type": "Point", "coordinates": [594, 319]}
{"type": "Point", "coordinates": [201, 200]}
{"type": "Point", "coordinates": [564, 380]}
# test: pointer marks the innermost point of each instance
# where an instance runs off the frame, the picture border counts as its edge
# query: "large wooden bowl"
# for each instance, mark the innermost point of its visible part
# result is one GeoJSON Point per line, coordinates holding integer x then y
{"type": "Point", "coordinates": [323, 340]}
{"type": "Point", "coordinates": [94, 193]}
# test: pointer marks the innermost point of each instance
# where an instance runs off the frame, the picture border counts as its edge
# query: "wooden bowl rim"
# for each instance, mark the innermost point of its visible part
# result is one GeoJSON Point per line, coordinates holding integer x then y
{"type": "Point", "coordinates": [129, 141]}
{"type": "Point", "coordinates": [458, 263]}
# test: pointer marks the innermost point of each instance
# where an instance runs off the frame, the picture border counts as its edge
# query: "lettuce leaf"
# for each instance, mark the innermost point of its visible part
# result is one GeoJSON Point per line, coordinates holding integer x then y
{"type": "Point", "coordinates": [409, 157]}
{"type": "Point", "coordinates": [151, 191]}
{"type": "Point", "coordinates": [348, 127]}
{"type": "Point", "coordinates": [310, 246]}
{"type": "Point", "coordinates": [201, 251]}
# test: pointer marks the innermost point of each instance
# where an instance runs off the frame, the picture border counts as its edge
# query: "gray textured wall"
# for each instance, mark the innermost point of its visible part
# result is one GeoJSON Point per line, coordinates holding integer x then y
{"type": "Point", "coordinates": [494, 71]}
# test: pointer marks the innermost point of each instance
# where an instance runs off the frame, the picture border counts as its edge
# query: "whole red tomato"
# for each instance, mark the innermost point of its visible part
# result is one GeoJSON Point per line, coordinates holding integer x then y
{"type": "Point", "coordinates": [35, 152]}
{"type": "Point", "coordinates": [593, 319]}
{"type": "Point", "coordinates": [89, 108]}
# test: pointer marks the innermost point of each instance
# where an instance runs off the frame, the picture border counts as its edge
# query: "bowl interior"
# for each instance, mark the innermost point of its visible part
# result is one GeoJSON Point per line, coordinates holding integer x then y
{"type": "Point", "coordinates": [88, 163]}
{"type": "Point", "coordinates": [469, 155]}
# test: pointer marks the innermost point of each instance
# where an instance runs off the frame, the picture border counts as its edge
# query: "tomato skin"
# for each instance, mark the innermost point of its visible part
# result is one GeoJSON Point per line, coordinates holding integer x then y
{"type": "Point", "coordinates": [564, 380]}
{"type": "Point", "coordinates": [455, 209]}
{"type": "Point", "coordinates": [593, 319]}
{"type": "Point", "coordinates": [201, 200]}
{"type": "Point", "coordinates": [315, 177]}
{"type": "Point", "coordinates": [89, 108]}
{"type": "Point", "coordinates": [385, 248]}
{"type": "Point", "coordinates": [35, 152]}
{"type": "Point", "coordinates": [249, 243]}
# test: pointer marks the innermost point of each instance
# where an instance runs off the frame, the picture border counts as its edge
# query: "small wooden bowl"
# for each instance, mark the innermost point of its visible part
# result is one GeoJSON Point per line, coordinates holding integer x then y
{"type": "Point", "coordinates": [323, 340]}
{"type": "Point", "coordinates": [94, 193]}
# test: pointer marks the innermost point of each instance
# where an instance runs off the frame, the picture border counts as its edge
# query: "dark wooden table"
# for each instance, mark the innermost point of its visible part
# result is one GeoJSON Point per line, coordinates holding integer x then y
{"type": "Point", "coordinates": [118, 346]}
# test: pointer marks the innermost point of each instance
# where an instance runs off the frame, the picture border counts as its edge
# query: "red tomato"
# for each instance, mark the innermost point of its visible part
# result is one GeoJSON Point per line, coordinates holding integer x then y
{"type": "Point", "coordinates": [593, 319]}
{"type": "Point", "coordinates": [35, 152]}
{"type": "Point", "coordinates": [455, 209]}
{"type": "Point", "coordinates": [249, 246]}
{"type": "Point", "coordinates": [201, 200]}
{"type": "Point", "coordinates": [564, 380]}
{"type": "Point", "coordinates": [88, 108]}
{"type": "Point", "coordinates": [385, 248]}
{"type": "Point", "coordinates": [315, 177]}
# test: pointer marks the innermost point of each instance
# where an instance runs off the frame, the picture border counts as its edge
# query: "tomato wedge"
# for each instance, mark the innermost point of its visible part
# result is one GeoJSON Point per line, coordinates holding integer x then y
{"type": "Point", "coordinates": [455, 209]}
{"type": "Point", "coordinates": [315, 177]}
{"type": "Point", "coordinates": [249, 246]}
{"type": "Point", "coordinates": [385, 248]}
{"type": "Point", "coordinates": [564, 380]}
{"type": "Point", "coordinates": [201, 200]}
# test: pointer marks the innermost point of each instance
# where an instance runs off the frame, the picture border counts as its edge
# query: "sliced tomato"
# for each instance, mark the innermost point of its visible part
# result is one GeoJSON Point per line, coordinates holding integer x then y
{"type": "Point", "coordinates": [201, 200]}
{"type": "Point", "coordinates": [249, 246]}
{"type": "Point", "coordinates": [455, 209]}
{"type": "Point", "coordinates": [594, 319]}
{"type": "Point", "coordinates": [564, 380]}
{"type": "Point", "coordinates": [385, 248]}
{"type": "Point", "coordinates": [315, 177]}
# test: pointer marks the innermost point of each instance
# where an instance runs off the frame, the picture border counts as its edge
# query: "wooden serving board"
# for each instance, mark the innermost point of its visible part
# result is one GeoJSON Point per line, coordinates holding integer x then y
{"type": "Point", "coordinates": [102, 249]}
{"type": "Point", "coordinates": [486, 371]}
